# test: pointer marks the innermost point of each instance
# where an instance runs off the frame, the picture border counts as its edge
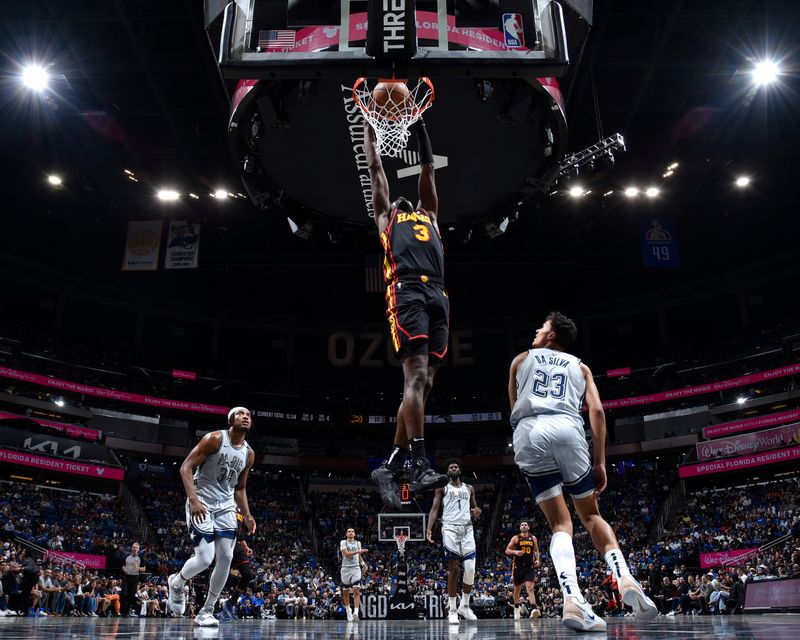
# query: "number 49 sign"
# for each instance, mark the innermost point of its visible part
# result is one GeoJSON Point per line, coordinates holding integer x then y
{"type": "Point", "coordinates": [659, 246]}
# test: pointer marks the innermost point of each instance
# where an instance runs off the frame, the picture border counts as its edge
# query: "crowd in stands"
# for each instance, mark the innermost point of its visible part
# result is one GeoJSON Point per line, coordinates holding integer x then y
{"type": "Point", "coordinates": [290, 580]}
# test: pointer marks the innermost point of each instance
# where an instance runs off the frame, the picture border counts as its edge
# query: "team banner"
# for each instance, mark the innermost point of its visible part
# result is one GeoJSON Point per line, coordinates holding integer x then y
{"type": "Point", "coordinates": [749, 443]}
{"type": "Point", "coordinates": [89, 561]}
{"type": "Point", "coordinates": [750, 424]}
{"type": "Point", "coordinates": [721, 385]}
{"type": "Point", "coordinates": [659, 244]}
{"type": "Point", "coordinates": [62, 466]}
{"type": "Point", "coordinates": [183, 245]}
{"type": "Point", "coordinates": [723, 558]}
{"type": "Point", "coordinates": [742, 462]}
{"type": "Point", "coordinates": [142, 245]}
{"type": "Point", "coordinates": [71, 430]}
{"type": "Point", "coordinates": [113, 394]}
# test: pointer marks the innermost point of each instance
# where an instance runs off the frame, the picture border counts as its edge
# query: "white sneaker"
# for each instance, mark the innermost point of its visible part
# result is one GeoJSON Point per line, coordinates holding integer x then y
{"type": "Point", "coordinates": [452, 617]}
{"type": "Point", "coordinates": [535, 613]}
{"type": "Point", "coordinates": [579, 616]}
{"type": "Point", "coordinates": [3, 613]}
{"type": "Point", "coordinates": [633, 595]}
{"type": "Point", "coordinates": [349, 614]}
{"type": "Point", "coordinates": [670, 614]}
{"type": "Point", "coordinates": [176, 601]}
{"type": "Point", "coordinates": [355, 616]}
{"type": "Point", "coordinates": [465, 612]}
{"type": "Point", "coordinates": [517, 614]}
{"type": "Point", "coordinates": [205, 618]}
{"type": "Point", "coordinates": [41, 614]}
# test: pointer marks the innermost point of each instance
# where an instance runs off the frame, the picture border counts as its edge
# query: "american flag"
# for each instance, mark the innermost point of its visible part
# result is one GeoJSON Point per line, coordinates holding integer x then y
{"type": "Point", "coordinates": [281, 39]}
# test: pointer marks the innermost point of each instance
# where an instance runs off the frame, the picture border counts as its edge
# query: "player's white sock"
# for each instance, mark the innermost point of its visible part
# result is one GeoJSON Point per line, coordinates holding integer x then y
{"type": "Point", "coordinates": [616, 562]}
{"type": "Point", "coordinates": [452, 603]}
{"type": "Point", "coordinates": [563, 555]}
{"type": "Point", "coordinates": [355, 611]}
{"type": "Point", "coordinates": [464, 599]}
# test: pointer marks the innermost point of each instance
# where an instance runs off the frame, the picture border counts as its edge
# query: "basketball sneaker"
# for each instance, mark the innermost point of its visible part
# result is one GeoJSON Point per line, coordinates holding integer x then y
{"type": "Point", "coordinates": [176, 601]}
{"type": "Point", "coordinates": [355, 616]}
{"type": "Point", "coordinates": [205, 618]}
{"type": "Point", "coordinates": [452, 617]}
{"type": "Point", "coordinates": [578, 616]}
{"type": "Point", "coordinates": [465, 612]}
{"type": "Point", "coordinates": [387, 487]}
{"type": "Point", "coordinates": [517, 614]}
{"type": "Point", "coordinates": [349, 614]}
{"type": "Point", "coordinates": [535, 613]}
{"type": "Point", "coordinates": [633, 595]}
{"type": "Point", "coordinates": [423, 478]}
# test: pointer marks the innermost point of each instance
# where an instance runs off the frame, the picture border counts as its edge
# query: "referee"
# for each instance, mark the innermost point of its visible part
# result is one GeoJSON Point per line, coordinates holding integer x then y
{"type": "Point", "coordinates": [130, 580]}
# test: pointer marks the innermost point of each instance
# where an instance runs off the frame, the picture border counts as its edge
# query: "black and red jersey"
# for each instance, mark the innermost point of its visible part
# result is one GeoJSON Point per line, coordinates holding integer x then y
{"type": "Point", "coordinates": [526, 560]}
{"type": "Point", "coordinates": [412, 247]}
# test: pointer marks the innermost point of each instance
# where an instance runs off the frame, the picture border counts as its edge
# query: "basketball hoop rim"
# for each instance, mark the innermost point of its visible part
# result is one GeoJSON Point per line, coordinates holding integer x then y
{"type": "Point", "coordinates": [417, 111]}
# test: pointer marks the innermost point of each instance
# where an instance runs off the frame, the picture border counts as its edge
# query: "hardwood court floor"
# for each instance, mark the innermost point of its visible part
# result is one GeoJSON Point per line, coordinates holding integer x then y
{"type": "Point", "coordinates": [760, 627]}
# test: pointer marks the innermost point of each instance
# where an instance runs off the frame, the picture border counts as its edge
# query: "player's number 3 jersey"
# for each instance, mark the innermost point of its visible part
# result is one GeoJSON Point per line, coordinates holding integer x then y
{"type": "Point", "coordinates": [412, 246]}
{"type": "Point", "coordinates": [549, 382]}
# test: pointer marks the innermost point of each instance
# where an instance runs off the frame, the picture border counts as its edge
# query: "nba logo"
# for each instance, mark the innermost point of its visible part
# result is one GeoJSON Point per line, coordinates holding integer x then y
{"type": "Point", "coordinates": [512, 30]}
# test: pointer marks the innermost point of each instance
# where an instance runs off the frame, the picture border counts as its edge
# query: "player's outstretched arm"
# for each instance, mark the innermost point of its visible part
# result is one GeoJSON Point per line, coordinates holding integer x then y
{"type": "Point", "coordinates": [512, 378]}
{"type": "Point", "coordinates": [597, 420]}
{"type": "Point", "coordinates": [428, 199]}
{"type": "Point", "coordinates": [511, 549]}
{"type": "Point", "coordinates": [437, 503]}
{"type": "Point", "coordinates": [209, 444]}
{"type": "Point", "coordinates": [377, 176]}
{"type": "Point", "coordinates": [240, 495]}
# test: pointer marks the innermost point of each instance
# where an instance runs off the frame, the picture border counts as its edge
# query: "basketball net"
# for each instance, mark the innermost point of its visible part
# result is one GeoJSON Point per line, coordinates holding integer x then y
{"type": "Point", "coordinates": [400, 539]}
{"type": "Point", "coordinates": [391, 121]}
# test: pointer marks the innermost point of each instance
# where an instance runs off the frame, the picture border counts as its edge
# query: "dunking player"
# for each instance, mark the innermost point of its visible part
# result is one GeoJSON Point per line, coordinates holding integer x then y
{"type": "Point", "coordinates": [418, 308]}
{"type": "Point", "coordinates": [220, 463]}
{"type": "Point", "coordinates": [546, 387]}
{"type": "Point", "coordinates": [351, 572]}
{"type": "Point", "coordinates": [459, 502]}
{"type": "Point", "coordinates": [524, 549]}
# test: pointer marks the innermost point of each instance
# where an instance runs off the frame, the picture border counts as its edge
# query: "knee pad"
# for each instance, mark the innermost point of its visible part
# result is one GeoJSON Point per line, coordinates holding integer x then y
{"type": "Point", "coordinates": [469, 571]}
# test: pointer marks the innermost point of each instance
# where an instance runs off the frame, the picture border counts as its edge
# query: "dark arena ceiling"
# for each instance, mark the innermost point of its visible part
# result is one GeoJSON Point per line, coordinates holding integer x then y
{"type": "Point", "coordinates": [134, 86]}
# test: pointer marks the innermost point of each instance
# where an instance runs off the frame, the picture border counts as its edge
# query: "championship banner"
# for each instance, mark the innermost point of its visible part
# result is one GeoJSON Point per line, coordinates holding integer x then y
{"type": "Point", "coordinates": [183, 245]}
{"type": "Point", "coordinates": [750, 424]}
{"type": "Point", "coordinates": [723, 558]}
{"type": "Point", "coordinates": [742, 462]}
{"type": "Point", "coordinates": [112, 394]}
{"type": "Point", "coordinates": [722, 385]}
{"type": "Point", "coordinates": [749, 443]}
{"type": "Point", "coordinates": [72, 430]}
{"type": "Point", "coordinates": [62, 466]}
{"type": "Point", "coordinates": [89, 561]}
{"type": "Point", "coordinates": [142, 245]}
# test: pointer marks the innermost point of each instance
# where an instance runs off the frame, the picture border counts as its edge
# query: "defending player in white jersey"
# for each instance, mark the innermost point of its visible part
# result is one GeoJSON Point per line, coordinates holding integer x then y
{"type": "Point", "coordinates": [546, 387]}
{"type": "Point", "coordinates": [458, 501]}
{"type": "Point", "coordinates": [352, 562]}
{"type": "Point", "coordinates": [214, 476]}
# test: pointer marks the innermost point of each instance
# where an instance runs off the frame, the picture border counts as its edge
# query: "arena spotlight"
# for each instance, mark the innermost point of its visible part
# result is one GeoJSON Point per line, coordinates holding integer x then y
{"type": "Point", "coordinates": [652, 192]}
{"type": "Point", "coordinates": [765, 72]}
{"type": "Point", "coordinates": [220, 194]}
{"type": "Point", "coordinates": [576, 191]}
{"type": "Point", "coordinates": [741, 400]}
{"type": "Point", "coordinates": [742, 181]}
{"type": "Point", "coordinates": [55, 180]}
{"type": "Point", "coordinates": [631, 192]}
{"type": "Point", "coordinates": [35, 77]}
{"type": "Point", "coordinates": [167, 195]}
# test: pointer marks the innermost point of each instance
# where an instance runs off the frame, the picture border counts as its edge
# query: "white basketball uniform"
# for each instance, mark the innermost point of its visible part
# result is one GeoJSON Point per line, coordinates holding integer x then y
{"type": "Point", "coordinates": [457, 533]}
{"type": "Point", "coordinates": [351, 567]}
{"type": "Point", "coordinates": [214, 482]}
{"type": "Point", "coordinates": [550, 444]}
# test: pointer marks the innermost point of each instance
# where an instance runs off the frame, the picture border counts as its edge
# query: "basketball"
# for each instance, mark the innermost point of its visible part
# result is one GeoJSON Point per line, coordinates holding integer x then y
{"type": "Point", "coordinates": [391, 96]}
